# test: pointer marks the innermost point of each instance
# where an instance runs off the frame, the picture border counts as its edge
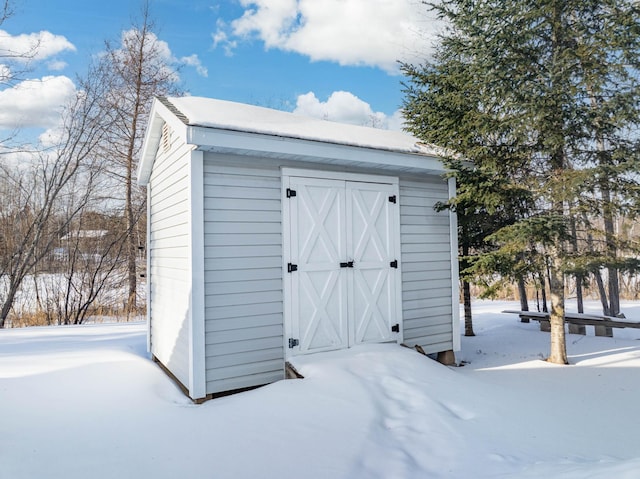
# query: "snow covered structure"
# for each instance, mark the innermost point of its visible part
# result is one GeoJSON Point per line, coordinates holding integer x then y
{"type": "Point", "coordinates": [272, 235]}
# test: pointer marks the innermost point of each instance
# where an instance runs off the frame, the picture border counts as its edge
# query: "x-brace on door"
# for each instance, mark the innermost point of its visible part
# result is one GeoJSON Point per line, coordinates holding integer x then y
{"type": "Point", "coordinates": [342, 275]}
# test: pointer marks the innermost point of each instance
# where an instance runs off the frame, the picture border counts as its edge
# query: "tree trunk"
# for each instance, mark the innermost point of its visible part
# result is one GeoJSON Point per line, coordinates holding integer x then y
{"type": "Point", "coordinates": [614, 292]}
{"type": "Point", "coordinates": [8, 302]}
{"type": "Point", "coordinates": [579, 294]}
{"type": "Point", "coordinates": [543, 293]}
{"type": "Point", "coordinates": [612, 250]}
{"type": "Point", "coordinates": [604, 159]}
{"type": "Point", "coordinates": [139, 100]}
{"type": "Point", "coordinates": [602, 293]}
{"type": "Point", "coordinates": [578, 277]}
{"type": "Point", "coordinates": [132, 247]}
{"type": "Point", "coordinates": [466, 295]}
{"type": "Point", "coordinates": [522, 293]}
{"type": "Point", "coordinates": [556, 125]}
{"type": "Point", "coordinates": [468, 320]}
{"type": "Point", "coordinates": [556, 288]}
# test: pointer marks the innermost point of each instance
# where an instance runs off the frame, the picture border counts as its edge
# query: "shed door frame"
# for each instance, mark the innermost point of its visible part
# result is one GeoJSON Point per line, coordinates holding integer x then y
{"type": "Point", "coordinates": [390, 182]}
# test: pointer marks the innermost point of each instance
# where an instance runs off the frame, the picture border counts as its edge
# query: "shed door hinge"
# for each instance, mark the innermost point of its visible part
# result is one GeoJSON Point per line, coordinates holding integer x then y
{"type": "Point", "coordinates": [293, 343]}
{"type": "Point", "coordinates": [292, 267]}
{"type": "Point", "coordinates": [394, 329]}
{"type": "Point", "coordinates": [394, 264]}
{"type": "Point", "coordinates": [392, 199]}
{"type": "Point", "coordinates": [290, 193]}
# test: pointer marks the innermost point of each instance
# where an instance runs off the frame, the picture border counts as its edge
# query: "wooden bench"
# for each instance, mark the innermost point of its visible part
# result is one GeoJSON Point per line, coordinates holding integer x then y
{"type": "Point", "coordinates": [603, 325]}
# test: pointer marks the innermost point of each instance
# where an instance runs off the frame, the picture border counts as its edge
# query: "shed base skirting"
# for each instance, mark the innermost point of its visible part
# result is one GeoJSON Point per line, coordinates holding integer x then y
{"type": "Point", "coordinates": [448, 358]}
{"type": "Point", "coordinates": [178, 383]}
{"type": "Point", "coordinates": [291, 372]}
{"type": "Point", "coordinates": [231, 392]}
{"type": "Point", "coordinates": [201, 400]}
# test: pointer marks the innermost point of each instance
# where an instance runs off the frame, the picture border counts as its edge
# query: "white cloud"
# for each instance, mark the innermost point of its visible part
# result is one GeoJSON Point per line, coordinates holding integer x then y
{"type": "Point", "coordinates": [194, 61]}
{"type": "Point", "coordinates": [396, 121]}
{"type": "Point", "coordinates": [345, 107]}
{"type": "Point", "coordinates": [56, 65]}
{"type": "Point", "coordinates": [35, 103]}
{"type": "Point", "coordinates": [220, 38]}
{"type": "Point", "coordinates": [32, 46]}
{"type": "Point", "coordinates": [350, 32]}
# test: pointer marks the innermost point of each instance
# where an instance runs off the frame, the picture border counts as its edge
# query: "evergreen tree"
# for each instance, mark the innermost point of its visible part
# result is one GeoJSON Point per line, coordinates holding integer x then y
{"type": "Point", "coordinates": [483, 205]}
{"type": "Point", "coordinates": [544, 94]}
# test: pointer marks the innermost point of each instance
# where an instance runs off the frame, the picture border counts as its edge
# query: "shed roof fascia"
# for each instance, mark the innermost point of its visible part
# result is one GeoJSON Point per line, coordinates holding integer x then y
{"type": "Point", "coordinates": [221, 140]}
{"type": "Point", "coordinates": [158, 116]}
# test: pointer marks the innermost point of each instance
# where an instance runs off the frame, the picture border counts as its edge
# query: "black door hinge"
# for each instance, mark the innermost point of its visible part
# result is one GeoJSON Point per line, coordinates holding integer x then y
{"type": "Point", "coordinates": [392, 199]}
{"type": "Point", "coordinates": [292, 267]}
{"type": "Point", "coordinates": [293, 343]}
{"type": "Point", "coordinates": [348, 264]}
{"type": "Point", "coordinates": [394, 264]}
{"type": "Point", "coordinates": [395, 328]}
{"type": "Point", "coordinates": [290, 192]}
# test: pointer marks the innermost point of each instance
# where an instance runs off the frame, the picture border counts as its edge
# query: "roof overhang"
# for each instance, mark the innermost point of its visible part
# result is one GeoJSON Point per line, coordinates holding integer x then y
{"type": "Point", "coordinates": [265, 145]}
{"type": "Point", "coordinates": [158, 116]}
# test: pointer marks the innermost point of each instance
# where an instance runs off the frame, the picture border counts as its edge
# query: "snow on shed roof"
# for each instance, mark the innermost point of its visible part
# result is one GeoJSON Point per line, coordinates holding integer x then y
{"type": "Point", "coordinates": [229, 127]}
{"type": "Point", "coordinates": [226, 115]}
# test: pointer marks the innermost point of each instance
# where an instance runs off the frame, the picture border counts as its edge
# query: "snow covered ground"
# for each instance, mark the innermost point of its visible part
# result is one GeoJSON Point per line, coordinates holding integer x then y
{"type": "Point", "coordinates": [86, 402]}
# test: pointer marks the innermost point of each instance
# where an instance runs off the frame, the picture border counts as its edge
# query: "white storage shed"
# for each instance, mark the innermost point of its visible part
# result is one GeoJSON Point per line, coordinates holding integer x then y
{"type": "Point", "coordinates": [271, 235]}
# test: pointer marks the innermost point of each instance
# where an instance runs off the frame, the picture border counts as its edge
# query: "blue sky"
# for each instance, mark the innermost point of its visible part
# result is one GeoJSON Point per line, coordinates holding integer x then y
{"type": "Point", "coordinates": [334, 59]}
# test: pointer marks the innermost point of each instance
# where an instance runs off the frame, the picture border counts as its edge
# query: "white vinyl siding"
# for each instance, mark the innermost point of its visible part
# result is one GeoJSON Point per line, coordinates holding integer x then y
{"type": "Point", "coordinates": [215, 257]}
{"type": "Point", "coordinates": [426, 265]}
{"type": "Point", "coordinates": [243, 276]}
{"type": "Point", "coordinates": [169, 271]}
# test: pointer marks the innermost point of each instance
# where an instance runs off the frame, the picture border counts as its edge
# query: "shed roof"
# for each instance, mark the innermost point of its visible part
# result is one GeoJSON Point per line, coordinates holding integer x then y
{"type": "Point", "coordinates": [223, 126]}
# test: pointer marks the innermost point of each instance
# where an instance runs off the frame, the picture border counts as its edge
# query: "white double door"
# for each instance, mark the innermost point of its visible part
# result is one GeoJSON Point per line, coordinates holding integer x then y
{"type": "Point", "coordinates": [341, 284]}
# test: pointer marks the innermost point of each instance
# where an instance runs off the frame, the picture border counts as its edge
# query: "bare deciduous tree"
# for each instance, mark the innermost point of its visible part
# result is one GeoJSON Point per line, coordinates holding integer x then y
{"type": "Point", "coordinates": [36, 191]}
{"type": "Point", "coordinates": [133, 72]}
